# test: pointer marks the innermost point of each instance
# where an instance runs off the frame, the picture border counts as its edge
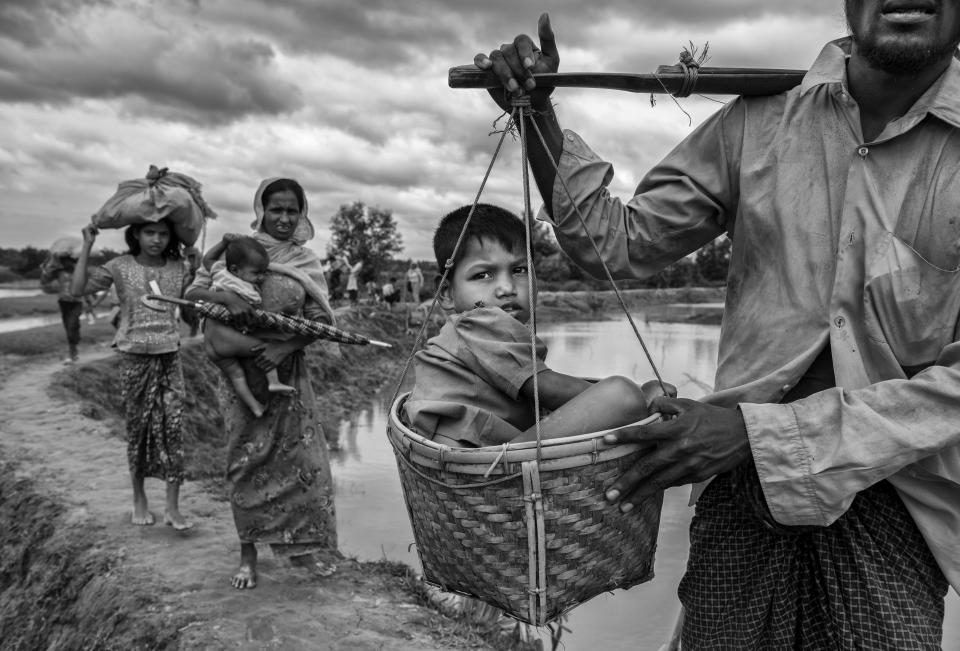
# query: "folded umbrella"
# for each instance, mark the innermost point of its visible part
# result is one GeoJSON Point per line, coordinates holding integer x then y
{"type": "Point", "coordinates": [269, 320]}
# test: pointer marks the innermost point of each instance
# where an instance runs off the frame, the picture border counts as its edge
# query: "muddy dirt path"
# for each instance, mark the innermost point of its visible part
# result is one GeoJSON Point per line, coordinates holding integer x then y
{"type": "Point", "coordinates": [80, 464]}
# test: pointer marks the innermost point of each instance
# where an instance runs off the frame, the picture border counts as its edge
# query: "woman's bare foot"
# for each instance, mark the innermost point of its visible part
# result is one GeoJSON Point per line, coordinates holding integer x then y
{"type": "Point", "coordinates": [279, 387]}
{"type": "Point", "coordinates": [245, 577]}
{"type": "Point", "coordinates": [176, 520]}
{"type": "Point", "coordinates": [314, 564]}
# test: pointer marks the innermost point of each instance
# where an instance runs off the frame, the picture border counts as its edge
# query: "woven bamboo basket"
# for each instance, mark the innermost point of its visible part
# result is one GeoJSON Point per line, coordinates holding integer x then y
{"type": "Point", "coordinates": [532, 537]}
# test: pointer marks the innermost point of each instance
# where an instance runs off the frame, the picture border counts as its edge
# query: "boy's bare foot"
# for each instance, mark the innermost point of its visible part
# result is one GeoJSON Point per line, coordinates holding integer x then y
{"type": "Point", "coordinates": [277, 387]}
{"type": "Point", "coordinates": [141, 518]}
{"type": "Point", "coordinates": [245, 578]}
{"type": "Point", "coordinates": [257, 410]}
{"type": "Point", "coordinates": [177, 521]}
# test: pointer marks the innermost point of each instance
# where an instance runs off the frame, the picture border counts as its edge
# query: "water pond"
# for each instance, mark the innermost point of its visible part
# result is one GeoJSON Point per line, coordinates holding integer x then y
{"type": "Point", "coordinates": [372, 518]}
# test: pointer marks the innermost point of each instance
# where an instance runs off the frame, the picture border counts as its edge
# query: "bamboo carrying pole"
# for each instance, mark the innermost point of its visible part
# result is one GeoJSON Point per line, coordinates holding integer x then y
{"type": "Point", "coordinates": [667, 79]}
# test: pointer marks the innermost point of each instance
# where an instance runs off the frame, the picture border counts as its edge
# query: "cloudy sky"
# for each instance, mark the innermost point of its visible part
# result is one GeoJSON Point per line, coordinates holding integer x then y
{"type": "Point", "coordinates": [348, 96]}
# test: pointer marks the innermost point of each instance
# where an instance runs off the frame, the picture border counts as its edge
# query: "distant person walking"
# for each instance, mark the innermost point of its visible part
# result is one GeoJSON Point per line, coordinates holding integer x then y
{"type": "Point", "coordinates": [336, 276]}
{"type": "Point", "coordinates": [353, 281]}
{"type": "Point", "coordinates": [414, 281]}
{"type": "Point", "coordinates": [56, 277]}
{"type": "Point", "coordinates": [390, 292]}
{"type": "Point", "coordinates": [148, 340]}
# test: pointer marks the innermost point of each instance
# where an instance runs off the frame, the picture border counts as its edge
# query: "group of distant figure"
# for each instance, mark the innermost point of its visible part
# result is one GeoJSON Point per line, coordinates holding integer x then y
{"type": "Point", "coordinates": [343, 283]}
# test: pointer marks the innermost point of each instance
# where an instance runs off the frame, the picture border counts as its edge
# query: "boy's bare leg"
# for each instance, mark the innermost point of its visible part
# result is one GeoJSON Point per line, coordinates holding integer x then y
{"type": "Point", "coordinates": [141, 514]}
{"type": "Point", "coordinates": [246, 575]}
{"type": "Point", "coordinates": [172, 515]}
{"type": "Point", "coordinates": [275, 385]}
{"type": "Point", "coordinates": [612, 402]}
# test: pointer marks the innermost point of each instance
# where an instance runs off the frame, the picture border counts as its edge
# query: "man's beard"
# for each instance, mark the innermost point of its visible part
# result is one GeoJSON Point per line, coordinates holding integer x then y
{"type": "Point", "coordinates": [901, 58]}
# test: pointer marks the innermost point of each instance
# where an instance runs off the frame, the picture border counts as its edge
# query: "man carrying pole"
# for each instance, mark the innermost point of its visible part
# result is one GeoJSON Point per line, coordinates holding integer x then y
{"type": "Point", "coordinates": [831, 513]}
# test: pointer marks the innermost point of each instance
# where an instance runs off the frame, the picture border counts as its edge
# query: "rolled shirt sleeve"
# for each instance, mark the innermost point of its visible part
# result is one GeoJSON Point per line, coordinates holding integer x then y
{"type": "Point", "coordinates": [684, 202]}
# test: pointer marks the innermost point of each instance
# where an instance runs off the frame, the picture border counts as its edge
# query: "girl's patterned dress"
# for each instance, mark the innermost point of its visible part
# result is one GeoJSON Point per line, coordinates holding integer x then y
{"type": "Point", "coordinates": [151, 372]}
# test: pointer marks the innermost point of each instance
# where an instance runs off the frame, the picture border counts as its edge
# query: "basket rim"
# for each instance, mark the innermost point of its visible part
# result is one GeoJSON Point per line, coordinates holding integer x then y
{"type": "Point", "coordinates": [591, 443]}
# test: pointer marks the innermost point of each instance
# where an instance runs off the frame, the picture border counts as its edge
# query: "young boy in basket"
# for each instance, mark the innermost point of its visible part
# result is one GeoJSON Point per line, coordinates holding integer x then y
{"type": "Point", "coordinates": [474, 380]}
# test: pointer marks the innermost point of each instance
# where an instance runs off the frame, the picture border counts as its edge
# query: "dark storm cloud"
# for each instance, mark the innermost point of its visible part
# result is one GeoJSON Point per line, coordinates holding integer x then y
{"type": "Point", "coordinates": [384, 32]}
{"type": "Point", "coordinates": [155, 68]}
{"type": "Point", "coordinates": [29, 22]}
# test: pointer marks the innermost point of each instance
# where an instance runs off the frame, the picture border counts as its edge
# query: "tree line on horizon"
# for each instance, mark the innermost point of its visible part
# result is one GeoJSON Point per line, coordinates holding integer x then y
{"type": "Point", "coordinates": [369, 234]}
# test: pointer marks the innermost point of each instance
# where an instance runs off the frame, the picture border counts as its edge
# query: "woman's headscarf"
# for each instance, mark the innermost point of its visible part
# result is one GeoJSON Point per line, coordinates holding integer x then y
{"type": "Point", "coordinates": [290, 256]}
{"type": "Point", "coordinates": [304, 231]}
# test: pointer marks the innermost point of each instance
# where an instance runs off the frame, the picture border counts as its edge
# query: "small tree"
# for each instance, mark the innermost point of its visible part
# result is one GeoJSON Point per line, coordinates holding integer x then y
{"type": "Point", "coordinates": [544, 243]}
{"type": "Point", "coordinates": [366, 234]}
{"type": "Point", "coordinates": [713, 260]}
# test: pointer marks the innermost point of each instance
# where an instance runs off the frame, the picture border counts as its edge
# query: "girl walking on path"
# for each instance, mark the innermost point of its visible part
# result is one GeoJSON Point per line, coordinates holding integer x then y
{"type": "Point", "coordinates": [148, 341]}
{"type": "Point", "coordinates": [281, 489]}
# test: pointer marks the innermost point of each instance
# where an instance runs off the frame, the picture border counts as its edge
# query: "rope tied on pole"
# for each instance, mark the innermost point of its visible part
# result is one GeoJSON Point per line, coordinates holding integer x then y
{"type": "Point", "coordinates": [689, 63]}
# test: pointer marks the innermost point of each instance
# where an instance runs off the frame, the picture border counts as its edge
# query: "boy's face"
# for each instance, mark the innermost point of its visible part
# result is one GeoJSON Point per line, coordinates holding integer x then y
{"type": "Point", "coordinates": [492, 275]}
{"type": "Point", "coordinates": [252, 273]}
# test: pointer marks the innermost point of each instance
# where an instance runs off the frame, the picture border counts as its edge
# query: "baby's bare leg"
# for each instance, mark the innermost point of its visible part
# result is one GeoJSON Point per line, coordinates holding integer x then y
{"type": "Point", "coordinates": [274, 384]}
{"type": "Point", "coordinates": [220, 340]}
{"type": "Point", "coordinates": [234, 371]}
{"type": "Point", "coordinates": [612, 402]}
{"type": "Point", "coordinates": [223, 342]}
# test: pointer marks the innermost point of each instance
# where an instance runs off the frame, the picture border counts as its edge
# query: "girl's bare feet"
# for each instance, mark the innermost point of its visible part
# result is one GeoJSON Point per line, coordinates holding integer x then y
{"type": "Point", "coordinates": [176, 520]}
{"type": "Point", "coordinates": [172, 515]}
{"type": "Point", "coordinates": [245, 577]}
{"type": "Point", "coordinates": [141, 517]}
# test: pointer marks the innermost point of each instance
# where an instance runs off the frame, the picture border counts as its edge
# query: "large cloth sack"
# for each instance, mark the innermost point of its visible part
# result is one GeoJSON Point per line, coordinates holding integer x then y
{"type": "Point", "coordinates": [162, 194]}
{"type": "Point", "coordinates": [66, 247]}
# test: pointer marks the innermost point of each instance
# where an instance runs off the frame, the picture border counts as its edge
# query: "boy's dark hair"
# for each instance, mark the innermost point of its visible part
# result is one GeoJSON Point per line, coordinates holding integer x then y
{"type": "Point", "coordinates": [488, 222]}
{"type": "Point", "coordinates": [245, 250]}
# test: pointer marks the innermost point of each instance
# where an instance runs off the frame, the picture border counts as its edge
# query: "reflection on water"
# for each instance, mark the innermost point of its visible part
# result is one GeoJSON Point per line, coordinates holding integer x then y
{"type": "Point", "coordinates": [13, 293]}
{"type": "Point", "coordinates": [20, 323]}
{"type": "Point", "coordinates": [16, 324]}
{"type": "Point", "coordinates": [372, 517]}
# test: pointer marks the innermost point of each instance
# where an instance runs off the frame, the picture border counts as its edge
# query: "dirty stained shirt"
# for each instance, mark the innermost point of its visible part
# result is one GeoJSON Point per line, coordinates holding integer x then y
{"type": "Point", "coordinates": [836, 241]}
{"type": "Point", "coordinates": [468, 379]}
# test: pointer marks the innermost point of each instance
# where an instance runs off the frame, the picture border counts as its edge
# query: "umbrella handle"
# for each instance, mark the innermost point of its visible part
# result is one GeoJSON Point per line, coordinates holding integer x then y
{"type": "Point", "coordinates": [148, 300]}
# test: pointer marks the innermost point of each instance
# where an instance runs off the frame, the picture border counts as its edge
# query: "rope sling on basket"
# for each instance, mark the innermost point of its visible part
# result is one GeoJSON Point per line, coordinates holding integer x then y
{"type": "Point", "coordinates": [270, 320]}
{"type": "Point", "coordinates": [525, 526]}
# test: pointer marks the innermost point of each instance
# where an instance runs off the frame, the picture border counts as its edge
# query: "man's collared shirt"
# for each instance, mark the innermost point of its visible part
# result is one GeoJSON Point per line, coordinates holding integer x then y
{"type": "Point", "coordinates": [835, 240]}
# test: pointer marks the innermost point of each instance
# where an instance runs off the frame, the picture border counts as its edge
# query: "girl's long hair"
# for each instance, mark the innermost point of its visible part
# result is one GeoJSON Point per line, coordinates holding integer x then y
{"type": "Point", "coordinates": [173, 250]}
